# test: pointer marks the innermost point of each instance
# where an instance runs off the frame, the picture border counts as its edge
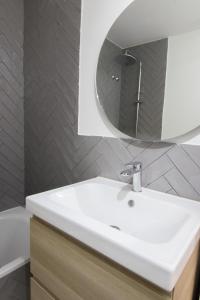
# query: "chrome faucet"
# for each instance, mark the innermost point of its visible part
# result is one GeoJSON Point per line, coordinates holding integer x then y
{"type": "Point", "coordinates": [134, 170]}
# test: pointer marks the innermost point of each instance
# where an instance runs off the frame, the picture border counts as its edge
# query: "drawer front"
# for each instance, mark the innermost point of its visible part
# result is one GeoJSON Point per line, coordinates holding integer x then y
{"type": "Point", "coordinates": [74, 272]}
{"type": "Point", "coordinates": [38, 292]}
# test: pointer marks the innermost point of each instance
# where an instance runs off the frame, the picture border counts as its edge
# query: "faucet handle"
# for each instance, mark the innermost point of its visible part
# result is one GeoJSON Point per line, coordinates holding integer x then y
{"type": "Point", "coordinates": [136, 166]}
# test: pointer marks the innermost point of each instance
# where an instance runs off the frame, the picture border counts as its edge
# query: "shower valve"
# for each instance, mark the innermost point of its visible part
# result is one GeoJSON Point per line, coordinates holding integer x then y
{"type": "Point", "coordinates": [115, 78]}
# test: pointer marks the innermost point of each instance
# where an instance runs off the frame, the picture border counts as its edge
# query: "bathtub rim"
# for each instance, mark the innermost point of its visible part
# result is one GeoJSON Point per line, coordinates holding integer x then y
{"type": "Point", "coordinates": [13, 266]}
{"type": "Point", "coordinates": [17, 211]}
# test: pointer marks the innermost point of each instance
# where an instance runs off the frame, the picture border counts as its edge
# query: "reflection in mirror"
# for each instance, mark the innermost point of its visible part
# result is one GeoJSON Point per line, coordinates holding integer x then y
{"type": "Point", "coordinates": [148, 70]}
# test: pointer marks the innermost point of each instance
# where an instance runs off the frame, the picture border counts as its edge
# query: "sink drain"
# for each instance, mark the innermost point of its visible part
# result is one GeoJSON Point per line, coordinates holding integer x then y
{"type": "Point", "coordinates": [131, 203]}
{"type": "Point", "coordinates": [115, 227]}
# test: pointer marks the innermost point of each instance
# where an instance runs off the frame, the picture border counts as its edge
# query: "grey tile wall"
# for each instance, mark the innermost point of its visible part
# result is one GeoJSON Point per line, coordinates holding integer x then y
{"type": "Point", "coordinates": [154, 59]}
{"type": "Point", "coordinates": [11, 104]}
{"type": "Point", "coordinates": [119, 97]}
{"type": "Point", "coordinates": [55, 154]}
{"type": "Point", "coordinates": [107, 87]}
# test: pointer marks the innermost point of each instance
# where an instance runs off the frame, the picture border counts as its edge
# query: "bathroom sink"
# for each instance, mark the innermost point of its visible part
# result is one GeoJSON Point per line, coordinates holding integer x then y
{"type": "Point", "coordinates": [150, 233]}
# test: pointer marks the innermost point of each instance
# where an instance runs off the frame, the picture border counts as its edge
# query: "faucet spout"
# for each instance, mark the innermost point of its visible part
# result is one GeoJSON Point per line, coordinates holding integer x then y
{"type": "Point", "coordinates": [134, 170]}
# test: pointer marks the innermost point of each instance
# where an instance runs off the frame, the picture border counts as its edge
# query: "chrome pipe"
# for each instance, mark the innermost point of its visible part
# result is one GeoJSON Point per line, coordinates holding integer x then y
{"type": "Point", "coordinates": [138, 102]}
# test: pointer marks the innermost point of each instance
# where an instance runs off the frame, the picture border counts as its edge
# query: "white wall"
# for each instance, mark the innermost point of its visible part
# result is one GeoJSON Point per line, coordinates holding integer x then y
{"type": "Point", "coordinates": [182, 94]}
{"type": "Point", "coordinates": [97, 18]}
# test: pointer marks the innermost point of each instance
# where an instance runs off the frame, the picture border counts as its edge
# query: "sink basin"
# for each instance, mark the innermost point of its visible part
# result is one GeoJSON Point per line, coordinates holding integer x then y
{"type": "Point", "coordinates": [149, 219]}
{"type": "Point", "coordinates": [150, 233]}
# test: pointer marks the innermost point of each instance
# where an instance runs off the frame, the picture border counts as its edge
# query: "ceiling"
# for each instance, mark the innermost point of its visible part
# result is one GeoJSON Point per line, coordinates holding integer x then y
{"type": "Point", "coordinates": [149, 20]}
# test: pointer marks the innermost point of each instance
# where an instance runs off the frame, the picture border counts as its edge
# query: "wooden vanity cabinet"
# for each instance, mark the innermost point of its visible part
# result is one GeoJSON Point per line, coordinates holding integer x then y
{"type": "Point", "coordinates": [38, 292]}
{"type": "Point", "coordinates": [65, 269]}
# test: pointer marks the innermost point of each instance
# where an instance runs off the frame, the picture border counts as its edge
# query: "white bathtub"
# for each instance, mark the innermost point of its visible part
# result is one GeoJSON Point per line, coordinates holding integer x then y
{"type": "Point", "coordinates": [14, 240]}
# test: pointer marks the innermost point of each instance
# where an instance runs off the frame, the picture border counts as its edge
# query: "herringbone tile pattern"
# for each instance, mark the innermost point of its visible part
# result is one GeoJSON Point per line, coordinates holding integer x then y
{"type": "Point", "coordinates": [11, 104]}
{"type": "Point", "coordinates": [55, 154]}
{"type": "Point", "coordinates": [153, 57]}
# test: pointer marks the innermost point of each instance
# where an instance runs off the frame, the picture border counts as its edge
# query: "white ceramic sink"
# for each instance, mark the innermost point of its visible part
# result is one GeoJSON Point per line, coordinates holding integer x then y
{"type": "Point", "coordinates": [157, 235]}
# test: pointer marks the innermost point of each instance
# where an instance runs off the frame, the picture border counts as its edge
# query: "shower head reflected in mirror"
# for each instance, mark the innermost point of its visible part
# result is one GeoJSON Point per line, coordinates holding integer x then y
{"type": "Point", "coordinates": [126, 58]}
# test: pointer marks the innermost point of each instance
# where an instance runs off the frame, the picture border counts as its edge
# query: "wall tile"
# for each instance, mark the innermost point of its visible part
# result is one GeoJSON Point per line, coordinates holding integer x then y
{"type": "Point", "coordinates": [11, 104]}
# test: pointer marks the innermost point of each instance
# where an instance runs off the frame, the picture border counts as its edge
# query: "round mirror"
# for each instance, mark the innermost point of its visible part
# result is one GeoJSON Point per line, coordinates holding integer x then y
{"type": "Point", "coordinates": [148, 73]}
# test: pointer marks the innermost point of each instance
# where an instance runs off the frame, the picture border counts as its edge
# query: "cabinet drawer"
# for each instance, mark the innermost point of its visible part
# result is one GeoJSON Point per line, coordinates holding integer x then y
{"type": "Point", "coordinates": [72, 271]}
{"type": "Point", "coordinates": [38, 292]}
